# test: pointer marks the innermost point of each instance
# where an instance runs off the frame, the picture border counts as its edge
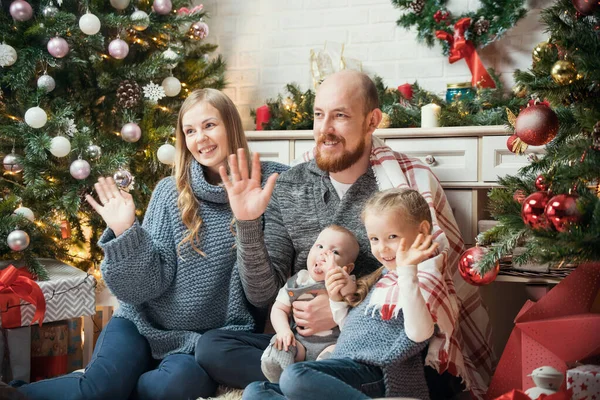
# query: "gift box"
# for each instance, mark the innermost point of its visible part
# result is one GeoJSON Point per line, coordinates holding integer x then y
{"type": "Point", "coordinates": [69, 293]}
{"type": "Point", "coordinates": [584, 381]}
{"type": "Point", "coordinates": [75, 345]}
{"type": "Point", "coordinates": [15, 353]}
{"type": "Point", "coordinates": [557, 330]}
{"type": "Point", "coordinates": [49, 350]}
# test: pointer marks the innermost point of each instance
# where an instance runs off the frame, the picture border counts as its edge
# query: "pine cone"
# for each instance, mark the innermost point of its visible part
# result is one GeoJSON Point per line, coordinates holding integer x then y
{"type": "Point", "coordinates": [129, 93]}
{"type": "Point", "coordinates": [418, 6]}
{"type": "Point", "coordinates": [481, 26]}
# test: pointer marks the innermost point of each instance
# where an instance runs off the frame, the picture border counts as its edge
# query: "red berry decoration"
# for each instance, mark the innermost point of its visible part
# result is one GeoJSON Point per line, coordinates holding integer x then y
{"type": "Point", "coordinates": [516, 145]}
{"type": "Point", "coordinates": [467, 264]}
{"type": "Point", "coordinates": [562, 211]}
{"type": "Point", "coordinates": [536, 125]}
{"type": "Point", "coordinates": [541, 184]}
{"type": "Point", "coordinates": [586, 7]}
{"type": "Point", "coordinates": [533, 208]}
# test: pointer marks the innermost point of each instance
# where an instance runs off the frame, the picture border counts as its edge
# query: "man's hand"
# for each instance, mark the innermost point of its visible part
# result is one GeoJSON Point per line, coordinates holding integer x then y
{"type": "Point", "coordinates": [248, 200]}
{"type": "Point", "coordinates": [313, 316]}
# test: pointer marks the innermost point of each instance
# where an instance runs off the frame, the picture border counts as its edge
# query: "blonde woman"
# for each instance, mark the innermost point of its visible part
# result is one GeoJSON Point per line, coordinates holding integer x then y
{"type": "Point", "coordinates": [175, 275]}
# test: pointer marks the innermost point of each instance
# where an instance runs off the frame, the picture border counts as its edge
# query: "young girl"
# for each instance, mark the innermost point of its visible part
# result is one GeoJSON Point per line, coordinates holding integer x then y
{"type": "Point", "coordinates": [175, 275]}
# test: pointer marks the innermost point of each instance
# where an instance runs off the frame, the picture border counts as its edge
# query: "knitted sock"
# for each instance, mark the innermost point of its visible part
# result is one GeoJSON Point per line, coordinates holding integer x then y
{"type": "Point", "coordinates": [273, 361]}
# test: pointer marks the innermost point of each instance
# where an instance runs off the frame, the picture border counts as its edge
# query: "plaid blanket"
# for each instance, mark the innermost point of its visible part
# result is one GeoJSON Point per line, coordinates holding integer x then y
{"type": "Point", "coordinates": [462, 345]}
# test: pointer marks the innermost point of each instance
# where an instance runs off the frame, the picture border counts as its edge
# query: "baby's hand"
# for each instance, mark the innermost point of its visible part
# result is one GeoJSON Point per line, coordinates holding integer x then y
{"type": "Point", "coordinates": [284, 340]}
{"type": "Point", "coordinates": [339, 283]}
{"type": "Point", "coordinates": [329, 263]}
{"type": "Point", "coordinates": [422, 248]}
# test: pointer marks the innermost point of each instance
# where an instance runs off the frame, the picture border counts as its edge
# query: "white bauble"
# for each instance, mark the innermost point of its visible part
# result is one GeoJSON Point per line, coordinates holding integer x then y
{"type": "Point", "coordinates": [119, 4]}
{"type": "Point", "coordinates": [60, 146]}
{"type": "Point", "coordinates": [8, 55]}
{"type": "Point", "coordinates": [25, 212]}
{"type": "Point", "coordinates": [80, 169]}
{"type": "Point", "coordinates": [18, 240]}
{"type": "Point", "coordinates": [89, 24]}
{"type": "Point", "coordinates": [46, 82]}
{"type": "Point", "coordinates": [171, 85]}
{"type": "Point", "coordinates": [171, 57]}
{"type": "Point", "coordinates": [166, 154]}
{"type": "Point", "coordinates": [140, 20]}
{"type": "Point", "coordinates": [35, 117]}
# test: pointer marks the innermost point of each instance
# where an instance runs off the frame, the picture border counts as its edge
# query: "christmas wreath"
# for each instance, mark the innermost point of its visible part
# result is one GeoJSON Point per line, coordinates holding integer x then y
{"type": "Point", "coordinates": [460, 35]}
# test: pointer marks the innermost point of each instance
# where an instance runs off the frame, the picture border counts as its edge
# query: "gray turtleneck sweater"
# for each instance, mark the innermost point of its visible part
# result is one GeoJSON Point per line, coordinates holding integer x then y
{"type": "Point", "coordinates": [174, 296]}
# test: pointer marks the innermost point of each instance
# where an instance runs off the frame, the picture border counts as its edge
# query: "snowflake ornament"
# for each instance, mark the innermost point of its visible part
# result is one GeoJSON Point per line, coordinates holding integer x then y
{"type": "Point", "coordinates": [8, 55]}
{"type": "Point", "coordinates": [70, 127]}
{"type": "Point", "coordinates": [154, 92]}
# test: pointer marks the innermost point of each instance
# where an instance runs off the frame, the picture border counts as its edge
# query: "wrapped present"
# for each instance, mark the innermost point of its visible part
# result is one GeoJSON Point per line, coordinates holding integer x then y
{"type": "Point", "coordinates": [17, 286]}
{"type": "Point", "coordinates": [15, 353]}
{"type": "Point", "coordinates": [584, 381]}
{"type": "Point", "coordinates": [69, 293]}
{"type": "Point", "coordinates": [558, 329]}
{"type": "Point", "coordinates": [75, 345]}
{"type": "Point", "coordinates": [49, 350]}
{"type": "Point", "coordinates": [516, 394]}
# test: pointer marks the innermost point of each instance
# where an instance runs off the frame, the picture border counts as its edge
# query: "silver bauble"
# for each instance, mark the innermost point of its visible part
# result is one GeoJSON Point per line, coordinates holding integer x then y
{"type": "Point", "coordinates": [49, 11]}
{"type": "Point", "coordinates": [94, 151]}
{"type": "Point", "coordinates": [11, 163]}
{"type": "Point", "coordinates": [123, 178]}
{"type": "Point", "coordinates": [140, 20]}
{"type": "Point", "coordinates": [46, 82]}
{"type": "Point", "coordinates": [18, 240]}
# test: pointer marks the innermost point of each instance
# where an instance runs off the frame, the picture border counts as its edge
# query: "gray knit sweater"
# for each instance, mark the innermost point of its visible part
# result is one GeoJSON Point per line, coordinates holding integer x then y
{"type": "Point", "coordinates": [370, 340]}
{"type": "Point", "coordinates": [172, 298]}
{"type": "Point", "coordinates": [303, 203]}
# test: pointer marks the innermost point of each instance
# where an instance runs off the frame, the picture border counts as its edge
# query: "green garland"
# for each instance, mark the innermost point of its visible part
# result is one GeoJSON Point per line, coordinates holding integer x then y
{"type": "Point", "coordinates": [488, 23]}
{"type": "Point", "coordinates": [294, 111]}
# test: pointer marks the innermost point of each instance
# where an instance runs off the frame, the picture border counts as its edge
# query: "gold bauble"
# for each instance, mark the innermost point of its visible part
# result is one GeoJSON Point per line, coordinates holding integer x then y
{"type": "Point", "coordinates": [385, 121]}
{"type": "Point", "coordinates": [541, 50]}
{"type": "Point", "coordinates": [563, 72]}
{"type": "Point", "coordinates": [519, 90]}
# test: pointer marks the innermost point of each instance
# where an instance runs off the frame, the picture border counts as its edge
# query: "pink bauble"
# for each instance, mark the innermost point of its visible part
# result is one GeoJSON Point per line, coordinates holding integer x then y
{"type": "Point", "coordinates": [21, 10]}
{"type": "Point", "coordinates": [131, 132]}
{"type": "Point", "coordinates": [118, 49]}
{"type": "Point", "coordinates": [58, 47]}
{"type": "Point", "coordinates": [80, 169]}
{"type": "Point", "coordinates": [162, 7]}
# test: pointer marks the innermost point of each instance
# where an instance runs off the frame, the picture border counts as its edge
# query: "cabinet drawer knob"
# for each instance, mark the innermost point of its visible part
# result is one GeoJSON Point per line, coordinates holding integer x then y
{"type": "Point", "coordinates": [430, 159]}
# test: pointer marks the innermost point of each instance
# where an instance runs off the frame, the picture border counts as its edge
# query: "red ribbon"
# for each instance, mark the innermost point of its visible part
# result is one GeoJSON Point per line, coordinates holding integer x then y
{"type": "Point", "coordinates": [15, 285]}
{"type": "Point", "coordinates": [462, 48]}
{"type": "Point", "coordinates": [185, 10]}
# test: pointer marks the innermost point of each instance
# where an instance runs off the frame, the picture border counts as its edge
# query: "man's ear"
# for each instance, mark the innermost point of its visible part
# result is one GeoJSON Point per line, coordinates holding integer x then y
{"type": "Point", "coordinates": [348, 268]}
{"type": "Point", "coordinates": [376, 117]}
{"type": "Point", "coordinates": [425, 228]}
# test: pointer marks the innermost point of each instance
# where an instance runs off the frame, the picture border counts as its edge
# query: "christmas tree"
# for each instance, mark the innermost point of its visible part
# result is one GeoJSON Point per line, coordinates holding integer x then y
{"type": "Point", "coordinates": [89, 89]}
{"type": "Point", "coordinates": [551, 208]}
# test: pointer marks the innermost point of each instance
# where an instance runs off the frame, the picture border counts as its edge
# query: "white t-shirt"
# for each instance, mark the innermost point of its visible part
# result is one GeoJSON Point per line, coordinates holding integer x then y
{"type": "Point", "coordinates": [340, 188]}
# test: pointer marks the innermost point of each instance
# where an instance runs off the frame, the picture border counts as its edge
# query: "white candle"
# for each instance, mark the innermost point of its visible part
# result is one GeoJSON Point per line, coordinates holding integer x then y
{"type": "Point", "coordinates": [430, 116]}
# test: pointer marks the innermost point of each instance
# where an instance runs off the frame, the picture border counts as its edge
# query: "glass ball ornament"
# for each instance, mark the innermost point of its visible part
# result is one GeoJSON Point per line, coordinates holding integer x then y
{"type": "Point", "coordinates": [25, 212]}
{"type": "Point", "coordinates": [118, 49]}
{"type": "Point", "coordinates": [9, 55]}
{"type": "Point", "coordinates": [94, 151]}
{"type": "Point", "coordinates": [21, 10]}
{"type": "Point", "coordinates": [58, 47]}
{"type": "Point", "coordinates": [198, 30]}
{"type": "Point", "coordinates": [562, 211]}
{"type": "Point", "coordinates": [162, 7]}
{"type": "Point", "coordinates": [563, 72]}
{"type": "Point", "coordinates": [123, 178]}
{"type": "Point", "coordinates": [80, 169]}
{"type": "Point", "coordinates": [536, 125]}
{"type": "Point", "coordinates": [36, 117]}
{"type": "Point", "coordinates": [46, 82]}
{"type": "Point", "coordinates": [468, 269]}
{"type": "Point", "coordinates": [11, 163]}
{"type": "Point", "coordinates": [140, 20]}
{"type": "Point", "coordinates": [60, 146]}
{"type": "Point", "coordinates": [49, 11]}
{"type": "Point", "coordinates": [542, 50]}
{"type": "Point", "coordinates": [119, 4]}
{"type": "Point", "coordinates": [166, 154]}
{"type": "Point", "coordinates": [171, 57]}
{"type": "Point", "coordinates": [18, 240]}
{"type": "Point", "coordinates": [533, 210]}
{"type": "Point", "coordinates": [171, 85]}
{"type": "Point", "coordinates": [131, 132]}
{"type": "Point", "coordinates": [89, 24]}
{"type": "Point", "coordinates": [541, 184]}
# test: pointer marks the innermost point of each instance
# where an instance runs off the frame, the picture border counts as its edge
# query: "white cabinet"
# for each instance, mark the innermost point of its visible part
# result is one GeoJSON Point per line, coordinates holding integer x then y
{"type": "Point", "coordinates": [497, 160]}
{"type": "Point", "coordinates": [461, 202]}
{"type": "Point", "coordinates": [451, 159]}
{"type": "Point", "coordinates": [301, 147]}
{"type": "Point", "coordinates": [272, 150]}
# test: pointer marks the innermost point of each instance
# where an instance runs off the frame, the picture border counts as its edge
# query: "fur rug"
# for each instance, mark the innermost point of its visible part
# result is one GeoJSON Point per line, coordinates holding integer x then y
{"type": "Point", "coordinates": [224, 393]}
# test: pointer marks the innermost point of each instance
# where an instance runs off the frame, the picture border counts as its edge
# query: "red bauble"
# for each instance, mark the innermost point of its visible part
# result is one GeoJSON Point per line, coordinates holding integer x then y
{"type": "Point", "coordinates": [533, 209]}
{"type": "Point", "coordinates": [466, 265]}
{"type": "Point", "coordinates": [586, 7]}
{"type": "Point", "coordinates": [562, 211]}
{"type": "Point", "coordinates": [519, 196]}
{"type": "Point", "coordinates": [536, 125]}
{"type": "Point", "coordinates": [541, 184]}
{"type": "Point", "coordinates": [515, 145]}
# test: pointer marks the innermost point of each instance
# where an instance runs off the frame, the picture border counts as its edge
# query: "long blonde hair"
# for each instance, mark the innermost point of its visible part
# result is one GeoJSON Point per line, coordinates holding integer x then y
{"type": "Point", "coordinates": [411, 206]}
{"type": "Point", "coordinates": [188, 203]}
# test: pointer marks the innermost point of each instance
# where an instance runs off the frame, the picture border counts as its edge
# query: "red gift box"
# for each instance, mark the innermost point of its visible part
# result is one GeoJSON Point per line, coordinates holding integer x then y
{"type": "Point", "coordinates": [559, 329]}
{"type": "Point", "coordinates": [49, 350]}
{"type": "Point", "coordinates": [585, 382]}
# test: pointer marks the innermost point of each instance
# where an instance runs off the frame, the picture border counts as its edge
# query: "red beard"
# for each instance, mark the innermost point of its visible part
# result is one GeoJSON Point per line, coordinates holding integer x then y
{"type": "Point", "coordinates": [338, 162]}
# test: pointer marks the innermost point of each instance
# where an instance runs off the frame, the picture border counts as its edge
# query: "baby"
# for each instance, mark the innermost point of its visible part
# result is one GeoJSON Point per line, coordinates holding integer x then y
{"type": "Point", "coordinates": [335, 247]}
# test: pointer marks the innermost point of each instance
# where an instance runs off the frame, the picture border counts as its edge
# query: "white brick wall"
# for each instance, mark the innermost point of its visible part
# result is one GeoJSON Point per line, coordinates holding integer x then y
{"type": "Point", "coordinates": [267, 44]}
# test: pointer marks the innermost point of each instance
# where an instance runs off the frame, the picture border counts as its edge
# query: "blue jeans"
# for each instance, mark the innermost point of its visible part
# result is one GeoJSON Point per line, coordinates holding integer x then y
{"type": "Point", "coordinates": [122, 368]}
{"type": "Point", "coordinates": [328, 379]}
